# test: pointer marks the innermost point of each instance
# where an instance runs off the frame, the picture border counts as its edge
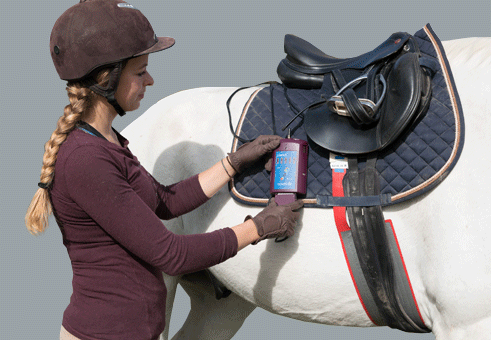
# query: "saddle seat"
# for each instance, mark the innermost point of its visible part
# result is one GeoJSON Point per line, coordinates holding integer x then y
{"type": "Point", "coordinates": [370, 98]}
{"type": "Point", "coordinates": [305, 65]}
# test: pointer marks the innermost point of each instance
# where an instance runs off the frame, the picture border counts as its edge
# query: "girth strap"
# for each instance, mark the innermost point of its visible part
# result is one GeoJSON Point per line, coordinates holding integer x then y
{"type": "Point", "coordinates": [372, 244]}
{"type": "Point", "coordinates": [346, 238]}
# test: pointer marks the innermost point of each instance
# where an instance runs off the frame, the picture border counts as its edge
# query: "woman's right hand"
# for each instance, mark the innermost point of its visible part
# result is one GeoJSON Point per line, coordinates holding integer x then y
{"type": "Point", "coordinates": [249, 153]}
{"type": "Point", "coordinates": [277, 220]}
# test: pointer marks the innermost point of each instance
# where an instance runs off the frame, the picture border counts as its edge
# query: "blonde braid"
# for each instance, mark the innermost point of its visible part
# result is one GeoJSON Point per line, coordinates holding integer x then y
{"type": "Point", "coordinates": [40, 208]}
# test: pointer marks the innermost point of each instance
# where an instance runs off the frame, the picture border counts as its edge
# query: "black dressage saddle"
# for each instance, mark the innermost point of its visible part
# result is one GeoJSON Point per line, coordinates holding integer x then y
{"type": "Point", "coordinates": [369, 99]}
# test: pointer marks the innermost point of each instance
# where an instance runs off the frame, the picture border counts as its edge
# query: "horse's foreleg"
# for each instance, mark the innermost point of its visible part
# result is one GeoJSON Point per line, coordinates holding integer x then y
{"type": "Point", "coordinates": [209, 318]}
{"type": "Point", "coordinates": [171, 282]}
{"type": "Point", "coordinates": [171, 285]}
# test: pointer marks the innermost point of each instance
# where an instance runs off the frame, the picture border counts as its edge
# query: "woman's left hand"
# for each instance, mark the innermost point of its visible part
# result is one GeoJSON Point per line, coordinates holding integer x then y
{"type": "Point", "coordinates": [247, 154]}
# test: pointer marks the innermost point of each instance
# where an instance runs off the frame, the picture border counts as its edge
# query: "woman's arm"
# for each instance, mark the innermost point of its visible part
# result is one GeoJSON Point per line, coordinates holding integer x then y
{"type": "Point", "coordinates": [212, 179]}
{"type": "Point", "coordinates": [183, 197]}
{"type": "Point", "coordinates": [246, 234]}
{"type": "Point", "coordinates": [95, 183]}
{"type": "Point", "coordinates": [272, 222]}
{"type": "Point", "coordinates": [246, 155]}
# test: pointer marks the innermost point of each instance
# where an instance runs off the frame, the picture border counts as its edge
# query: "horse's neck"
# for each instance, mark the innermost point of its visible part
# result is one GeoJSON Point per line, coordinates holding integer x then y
{"type": "Point", "coordinates": [470, 62]}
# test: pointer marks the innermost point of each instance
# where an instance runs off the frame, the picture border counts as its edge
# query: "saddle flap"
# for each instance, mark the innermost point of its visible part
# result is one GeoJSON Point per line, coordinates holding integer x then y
{"type": "Point", "coordinates": [403, 99]}
{"type": "Point", "coordinates": [341, 134]}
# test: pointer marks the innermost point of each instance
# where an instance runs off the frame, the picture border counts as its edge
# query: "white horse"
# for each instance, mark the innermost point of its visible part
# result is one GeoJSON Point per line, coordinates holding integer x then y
{"type": "Point", "coordinates": [445, 235]}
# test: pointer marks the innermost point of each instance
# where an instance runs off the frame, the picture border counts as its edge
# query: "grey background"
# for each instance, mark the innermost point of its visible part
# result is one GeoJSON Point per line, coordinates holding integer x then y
{"type": "Point", "coordinates": [219, 43]}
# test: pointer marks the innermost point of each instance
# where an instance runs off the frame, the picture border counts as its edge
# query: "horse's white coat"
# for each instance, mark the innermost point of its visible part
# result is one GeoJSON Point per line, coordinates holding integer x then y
{"type": "Point", "coordinates": [445, 236]}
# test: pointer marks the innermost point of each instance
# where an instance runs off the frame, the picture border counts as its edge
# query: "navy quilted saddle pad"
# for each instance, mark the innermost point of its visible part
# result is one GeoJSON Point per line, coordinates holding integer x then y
{"type": "Point", "coordinates": [420, 159]}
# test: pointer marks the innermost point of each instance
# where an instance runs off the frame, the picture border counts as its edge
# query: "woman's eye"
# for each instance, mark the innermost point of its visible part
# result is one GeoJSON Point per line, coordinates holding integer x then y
{"type": "Point", "coordinates": [141, 74]}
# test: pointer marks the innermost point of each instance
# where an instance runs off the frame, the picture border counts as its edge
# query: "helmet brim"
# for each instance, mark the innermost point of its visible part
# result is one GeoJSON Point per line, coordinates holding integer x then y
{"type": "Point", "coordinates": [161, 44]}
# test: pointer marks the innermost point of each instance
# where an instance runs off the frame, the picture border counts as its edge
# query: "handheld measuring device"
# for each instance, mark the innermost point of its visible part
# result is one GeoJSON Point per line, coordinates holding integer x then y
{"type": "Point", "coordinates": [289, 170]}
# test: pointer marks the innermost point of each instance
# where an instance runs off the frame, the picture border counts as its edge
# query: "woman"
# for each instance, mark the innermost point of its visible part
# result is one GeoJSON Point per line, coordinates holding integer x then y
{"type": "Point", "coordinates": [108, 207]}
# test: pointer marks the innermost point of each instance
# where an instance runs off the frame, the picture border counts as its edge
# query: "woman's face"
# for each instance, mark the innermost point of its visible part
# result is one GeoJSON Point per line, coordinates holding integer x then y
{"type": "Point", "coordinates": [133, 82]}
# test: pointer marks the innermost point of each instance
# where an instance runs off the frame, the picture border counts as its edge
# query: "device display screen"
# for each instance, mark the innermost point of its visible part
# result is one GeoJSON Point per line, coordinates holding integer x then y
{"type": "Point", "coordinates": [285, 169]}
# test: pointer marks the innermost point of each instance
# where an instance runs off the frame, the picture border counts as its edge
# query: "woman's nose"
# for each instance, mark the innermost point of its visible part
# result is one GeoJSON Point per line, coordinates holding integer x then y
{"type": "Point", "coordinates": [149, 80]}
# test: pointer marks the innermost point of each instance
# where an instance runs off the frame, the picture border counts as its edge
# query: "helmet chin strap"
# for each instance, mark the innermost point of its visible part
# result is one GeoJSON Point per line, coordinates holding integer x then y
{"type": "Point", "coordinates": [109, 90]}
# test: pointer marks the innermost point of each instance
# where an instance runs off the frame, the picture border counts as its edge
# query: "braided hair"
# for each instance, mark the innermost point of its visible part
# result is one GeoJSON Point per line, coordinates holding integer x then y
{"type": "Point", "coordinates": [82, 100]}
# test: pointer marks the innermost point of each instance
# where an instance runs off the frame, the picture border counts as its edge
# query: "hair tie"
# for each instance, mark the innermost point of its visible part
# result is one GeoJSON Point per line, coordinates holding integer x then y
{"type": "Point", "coordinates": [43, 185]}
{"type": "Point", "coordinates": [224, 168]}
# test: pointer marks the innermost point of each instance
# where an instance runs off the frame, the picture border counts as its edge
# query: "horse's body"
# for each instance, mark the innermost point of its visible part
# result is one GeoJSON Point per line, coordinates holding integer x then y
{"type": "Point", "coordinates": [445, 235]}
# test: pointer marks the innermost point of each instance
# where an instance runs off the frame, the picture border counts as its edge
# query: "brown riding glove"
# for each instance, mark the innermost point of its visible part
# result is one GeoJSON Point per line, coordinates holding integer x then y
{"type": "Point", "coordinates": [247, 154]}
{"type": "Point", "coordinates": [277, 220]}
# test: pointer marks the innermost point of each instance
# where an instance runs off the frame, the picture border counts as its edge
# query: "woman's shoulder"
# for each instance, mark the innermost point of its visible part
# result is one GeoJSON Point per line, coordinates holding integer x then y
{"type": "Point", "coordinates": [83, 155]}
{"type": "Point", "coordinates": [83, 149]}
{"type": "Point", "coordinates": [78, 141]}
{"type": "Point", "coordinates": [76, 155]}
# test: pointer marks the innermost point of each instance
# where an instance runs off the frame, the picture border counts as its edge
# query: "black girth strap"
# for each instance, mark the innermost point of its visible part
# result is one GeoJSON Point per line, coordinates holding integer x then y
{"type": "Point", "coordinates": [372, 246]}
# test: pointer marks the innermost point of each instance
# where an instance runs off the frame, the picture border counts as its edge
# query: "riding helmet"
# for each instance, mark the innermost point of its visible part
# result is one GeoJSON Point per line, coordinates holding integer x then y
{"type": "Point", "coordinates": [96, 33]}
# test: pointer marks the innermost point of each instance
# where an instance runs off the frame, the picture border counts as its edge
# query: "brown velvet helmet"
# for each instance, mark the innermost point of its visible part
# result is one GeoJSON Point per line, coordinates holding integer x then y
{"type": "Point", "coordinates": [97, 33]}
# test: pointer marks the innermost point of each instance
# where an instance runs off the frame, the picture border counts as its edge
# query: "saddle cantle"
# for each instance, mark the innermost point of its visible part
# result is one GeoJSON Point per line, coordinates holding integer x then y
{"type": "Point", "coordinates": [370, 99]}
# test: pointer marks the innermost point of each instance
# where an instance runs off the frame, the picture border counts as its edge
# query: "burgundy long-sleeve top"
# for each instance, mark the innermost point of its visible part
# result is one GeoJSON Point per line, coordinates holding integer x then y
{"type": "Point", "coordinates": [109, 209]}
